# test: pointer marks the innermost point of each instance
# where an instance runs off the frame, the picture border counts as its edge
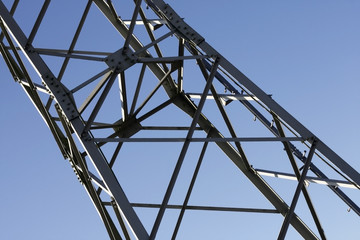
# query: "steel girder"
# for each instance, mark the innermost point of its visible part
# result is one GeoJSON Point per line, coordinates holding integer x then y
{"type": "Point", "coordinates": [83, 126]}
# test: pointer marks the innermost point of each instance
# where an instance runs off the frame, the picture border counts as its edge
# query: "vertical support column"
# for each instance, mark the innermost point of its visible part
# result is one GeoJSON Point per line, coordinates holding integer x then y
{"type": "Point", "coordinates": [181, 68]}
{"type": "Point", "coordinates": [123, 97]}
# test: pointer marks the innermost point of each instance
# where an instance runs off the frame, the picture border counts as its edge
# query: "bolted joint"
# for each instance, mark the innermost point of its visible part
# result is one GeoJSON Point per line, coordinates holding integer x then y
{"type": "Point", "coordinates": [61, 95]}
{"type": "Point", "coordinates": [121, 60]}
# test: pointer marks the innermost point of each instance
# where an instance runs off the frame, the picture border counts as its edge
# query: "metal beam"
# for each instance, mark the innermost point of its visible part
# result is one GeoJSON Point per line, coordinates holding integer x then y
{"type": "Point", "coordinates": [61, 94]}
{"type": "Point", "coordinates": [322, 181]}
{"type": "Point", "coordinates": [183, 152]}
{"type": "Point", "coordinates": [300, 185]}
{"type": "Point", "coordinates": [214, 139]}
{"type": "Point", "coordinates": [188, 107]}
{"type": "Point", "coordinates": [188, 194]}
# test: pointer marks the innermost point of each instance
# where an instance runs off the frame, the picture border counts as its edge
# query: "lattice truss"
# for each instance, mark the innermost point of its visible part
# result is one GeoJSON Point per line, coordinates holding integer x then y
{"type": "Point", "coordinates": [135, 100]}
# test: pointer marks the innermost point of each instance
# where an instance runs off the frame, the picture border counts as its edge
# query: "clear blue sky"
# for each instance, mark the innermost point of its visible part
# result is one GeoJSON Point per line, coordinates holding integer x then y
{"type": "Point", "coordinates": [305, 53]}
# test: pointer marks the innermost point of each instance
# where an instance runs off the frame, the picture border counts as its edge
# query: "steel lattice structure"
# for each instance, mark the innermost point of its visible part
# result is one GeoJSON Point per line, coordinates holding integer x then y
{"type": "Point", "coordinates": [168, 104]}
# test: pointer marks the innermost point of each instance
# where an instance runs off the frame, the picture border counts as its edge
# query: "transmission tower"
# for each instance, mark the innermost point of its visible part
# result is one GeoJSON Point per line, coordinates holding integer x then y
{"type": "Point", "coordinates": [145, 123]}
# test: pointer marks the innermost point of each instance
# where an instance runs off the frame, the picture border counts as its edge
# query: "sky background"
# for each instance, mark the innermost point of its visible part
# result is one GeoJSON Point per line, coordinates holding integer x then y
{"type": "Point", "coordinates": [305, 53]}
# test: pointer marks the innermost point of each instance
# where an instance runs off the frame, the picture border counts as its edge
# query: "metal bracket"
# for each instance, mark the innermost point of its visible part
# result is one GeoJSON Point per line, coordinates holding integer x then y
{"type": "Point", "coordinates": [179, 24]}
